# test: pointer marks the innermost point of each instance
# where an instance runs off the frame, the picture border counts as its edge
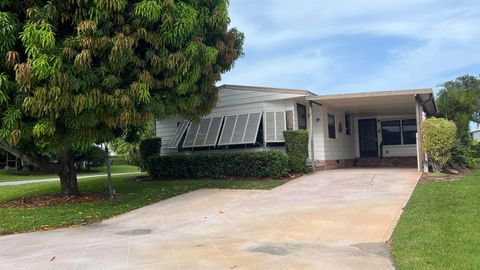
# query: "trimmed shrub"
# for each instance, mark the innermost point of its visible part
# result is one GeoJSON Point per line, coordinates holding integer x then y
{"type": "Point", "coordinates": [256, 164]}
{"type": "Point", "coordinates": [296, 143]}
{"type": "Point", "coordinates": [438, 139]}
{"type": "Point", "coordinates": [149, 148]}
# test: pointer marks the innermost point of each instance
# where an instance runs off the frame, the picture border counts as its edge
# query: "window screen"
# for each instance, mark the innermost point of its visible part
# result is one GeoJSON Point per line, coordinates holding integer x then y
{"type": "Point", "coordinates": [302, 116]}
{"type": "Point", "coordinates": [391, 134]}
{"type": "Point", "coordinates": [409, 128]}
{"type": "Point", "coordinates": [332, 134]}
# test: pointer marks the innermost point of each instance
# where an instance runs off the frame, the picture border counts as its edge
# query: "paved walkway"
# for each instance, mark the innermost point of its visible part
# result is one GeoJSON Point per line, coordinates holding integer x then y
{"type": "Point", "coordinates": [23, 182]}
{"type": "Point", "coordinates": [337, 219]}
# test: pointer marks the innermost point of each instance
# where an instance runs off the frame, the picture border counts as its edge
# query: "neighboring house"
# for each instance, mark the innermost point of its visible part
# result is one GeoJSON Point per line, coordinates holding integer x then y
{"type": "Point", "coordinates": [361, 129]}
{"type": "Point", "coordinates": [8, 160]}
{"type": "Point", "coordinates": [476, 135]}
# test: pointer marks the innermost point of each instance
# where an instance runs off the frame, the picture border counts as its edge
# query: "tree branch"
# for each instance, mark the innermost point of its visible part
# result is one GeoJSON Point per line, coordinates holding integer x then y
{"type": "Point", "coordinates": [41, 165]}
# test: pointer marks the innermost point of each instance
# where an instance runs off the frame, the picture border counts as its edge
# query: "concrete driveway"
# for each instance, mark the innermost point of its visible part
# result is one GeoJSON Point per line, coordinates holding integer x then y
{"type": "Point", "coordinates": [329, 220]}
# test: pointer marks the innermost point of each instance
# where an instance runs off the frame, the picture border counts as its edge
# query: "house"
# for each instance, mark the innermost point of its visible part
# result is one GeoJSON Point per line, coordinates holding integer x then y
{"type": "Point", "coordinates": [359, 129]}
{"type": "Point", "coordinates": [476, 135]}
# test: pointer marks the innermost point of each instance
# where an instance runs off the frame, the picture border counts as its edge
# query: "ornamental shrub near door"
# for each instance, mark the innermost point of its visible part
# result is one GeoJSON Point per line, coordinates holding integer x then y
{"type": "Point", "coordinates": [296, 143]}
{"type": "Point", "coordinates": [438, 140]}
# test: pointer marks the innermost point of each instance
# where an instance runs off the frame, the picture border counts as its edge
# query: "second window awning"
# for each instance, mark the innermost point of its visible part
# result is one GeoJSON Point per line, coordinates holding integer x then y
{"type": "Point", "coordinates": [240, 129]}
{"type": "Point", "coordinates": [203, 134]}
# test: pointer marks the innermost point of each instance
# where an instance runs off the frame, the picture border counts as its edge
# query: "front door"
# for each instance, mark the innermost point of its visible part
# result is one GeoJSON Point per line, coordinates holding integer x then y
{"type": "Point", "coordinates": [367, 130]}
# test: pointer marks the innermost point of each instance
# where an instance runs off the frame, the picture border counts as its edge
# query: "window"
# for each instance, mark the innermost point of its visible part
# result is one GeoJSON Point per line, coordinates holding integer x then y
{"type": "Point", "coordinates": [409, 129]}
{"type": "Point", "coordinates": [332, 133]}
{"type": "Point", "coordinates": [348, 125]}
{"type": "Point", "coordinates": [391, 134]}
{"type": "Point", "coordinates": [302, 116]}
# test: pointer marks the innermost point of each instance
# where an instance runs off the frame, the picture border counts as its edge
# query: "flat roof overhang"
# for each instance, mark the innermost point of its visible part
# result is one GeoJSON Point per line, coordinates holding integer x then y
{"type": "Point", "coordinates": [399, 102]}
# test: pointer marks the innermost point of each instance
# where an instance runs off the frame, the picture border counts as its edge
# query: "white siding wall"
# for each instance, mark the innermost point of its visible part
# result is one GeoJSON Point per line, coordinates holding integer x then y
{"type": "Point", "coordinates": [318, 133]}
{"type": "Point", "coordinates": [234, 102]}
{"type": "Point", "coordinates": [165, 129]}
{"type": "Point", "coordinates": [344, 146]}
{"type": "Point", "coordinates": [409, 150]}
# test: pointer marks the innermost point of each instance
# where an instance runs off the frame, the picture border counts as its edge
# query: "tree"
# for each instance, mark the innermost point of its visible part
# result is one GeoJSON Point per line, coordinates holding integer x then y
{"type": "Point", "coordinates": [74, 73]}
{"type": "Point", "coordinates": [459, 101]}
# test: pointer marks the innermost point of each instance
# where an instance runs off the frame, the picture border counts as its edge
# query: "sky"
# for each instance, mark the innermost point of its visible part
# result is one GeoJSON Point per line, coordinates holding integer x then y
{"type": "Point", "coordinates": [344, 46]}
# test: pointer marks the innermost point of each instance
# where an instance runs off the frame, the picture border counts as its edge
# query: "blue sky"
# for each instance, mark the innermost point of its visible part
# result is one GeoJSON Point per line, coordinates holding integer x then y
{"type": "Point", "coordinates": [345, 46]}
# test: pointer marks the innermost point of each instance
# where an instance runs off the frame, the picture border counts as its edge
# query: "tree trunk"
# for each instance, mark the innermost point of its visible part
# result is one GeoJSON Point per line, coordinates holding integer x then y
{"type": "Point", "coordinates": [67, 173]}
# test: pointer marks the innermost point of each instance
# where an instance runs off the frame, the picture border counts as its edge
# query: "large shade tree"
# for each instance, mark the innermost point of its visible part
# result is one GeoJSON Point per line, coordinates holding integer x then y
{"type": "Point", "coordinates": [77, 72]}
{"type": "Point", "coordinates": [459, 101]}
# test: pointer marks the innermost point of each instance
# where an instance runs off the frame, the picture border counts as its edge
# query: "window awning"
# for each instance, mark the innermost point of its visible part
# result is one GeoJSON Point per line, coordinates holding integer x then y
{"type": "Point", "coordinates": [240, 129]}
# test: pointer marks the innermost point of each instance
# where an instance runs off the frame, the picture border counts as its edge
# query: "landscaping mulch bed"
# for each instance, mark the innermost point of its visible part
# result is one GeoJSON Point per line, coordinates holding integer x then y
{"type": "Point", "coordinates": [286, 179]}
{"type": "Point", "coordinates": [428, 177]}
{"type": "Point", "coordinates": [53, 200]}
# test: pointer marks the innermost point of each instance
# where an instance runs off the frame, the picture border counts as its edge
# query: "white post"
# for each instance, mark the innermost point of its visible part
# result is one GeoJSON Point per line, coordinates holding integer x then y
{"type": "Point", "coordinates": [420, 153]}
{"type": "Point", "coordinates": [310, 131]}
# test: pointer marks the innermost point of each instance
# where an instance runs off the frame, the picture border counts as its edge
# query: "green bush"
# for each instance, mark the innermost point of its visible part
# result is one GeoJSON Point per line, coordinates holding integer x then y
{"type": "Point", "coordinates": [149, 148]}
{"type": "Point", "coordinates": [256, 164]}
{"type": "Point", "coordinates": [296, 143]}
{"type": "Point", "coordinates": [438, 140]}
{"type": "Point", "coordinates": [462, 156]}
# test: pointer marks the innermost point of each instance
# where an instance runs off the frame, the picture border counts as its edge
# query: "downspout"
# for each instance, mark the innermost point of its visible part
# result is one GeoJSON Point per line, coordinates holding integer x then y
{"type": "Point", "coordinates": [310, 129]}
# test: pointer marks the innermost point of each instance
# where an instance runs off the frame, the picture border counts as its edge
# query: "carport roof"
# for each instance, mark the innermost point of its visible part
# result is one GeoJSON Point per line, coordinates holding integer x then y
{"type": "Point", "coordinates": [396, 102]}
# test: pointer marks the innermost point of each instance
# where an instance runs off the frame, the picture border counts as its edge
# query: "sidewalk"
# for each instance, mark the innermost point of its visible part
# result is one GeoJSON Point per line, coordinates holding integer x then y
{"type": "Point", "coordinates": [16, 183]}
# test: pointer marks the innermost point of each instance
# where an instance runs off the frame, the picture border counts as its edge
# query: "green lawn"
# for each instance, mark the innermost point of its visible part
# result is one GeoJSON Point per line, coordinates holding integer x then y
{"type": "Point", "coordinates": [440, 228]}
{"type": "Point", "coordinates": [133, 194]}
{"type": "Point", "coordinates": [4, 177]}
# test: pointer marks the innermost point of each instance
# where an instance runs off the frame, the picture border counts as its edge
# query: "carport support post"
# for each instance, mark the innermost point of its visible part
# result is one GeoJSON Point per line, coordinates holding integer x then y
{"type": "Point", "coordinates": [420, 152]}
{"type": "Point", "coordinates": [310, 130]}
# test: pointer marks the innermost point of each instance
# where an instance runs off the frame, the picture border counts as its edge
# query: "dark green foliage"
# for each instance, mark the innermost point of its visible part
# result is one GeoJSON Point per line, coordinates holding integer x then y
{"type": "Point", "coordinates": [296, 142]}
{"type": "Point", "coordinates": [89, 158]}
{"type": "Point", "coordinates": [462, 156]}
{"type": "Point", "coordinates": [459, 101]}
{"type": "Point", "coordinates": [149, 148]}
{"type": "Point", "coordinates": [256, 164]}
{"type": "Point", "coordinates": [476, 149]}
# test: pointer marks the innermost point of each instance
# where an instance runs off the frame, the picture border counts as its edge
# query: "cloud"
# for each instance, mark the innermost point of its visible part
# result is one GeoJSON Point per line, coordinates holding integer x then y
{"type": "Point", "coordinates": [351, 45]}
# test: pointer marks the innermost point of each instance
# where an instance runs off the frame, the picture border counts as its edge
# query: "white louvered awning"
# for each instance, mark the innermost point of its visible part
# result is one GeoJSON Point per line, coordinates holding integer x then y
{"type": "Point", "coordinates": [240, 129]}
{"type": "Point", "coordinates": [203, 134]}
{"type": "Point", "coordinates": [275, 124]}
{"type": "Point", "coordinates": [177, 136]}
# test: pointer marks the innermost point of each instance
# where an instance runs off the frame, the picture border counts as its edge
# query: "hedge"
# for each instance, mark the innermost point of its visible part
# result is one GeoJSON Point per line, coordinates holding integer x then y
{"type": "Point", "coordinates": [296, 143]}
{"type": "Point", "coordinates": [149, 148]}
{"type": "Point", "coordinates": [217, 166]}
{"type": "Point", "coordinates": [438, 140]}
